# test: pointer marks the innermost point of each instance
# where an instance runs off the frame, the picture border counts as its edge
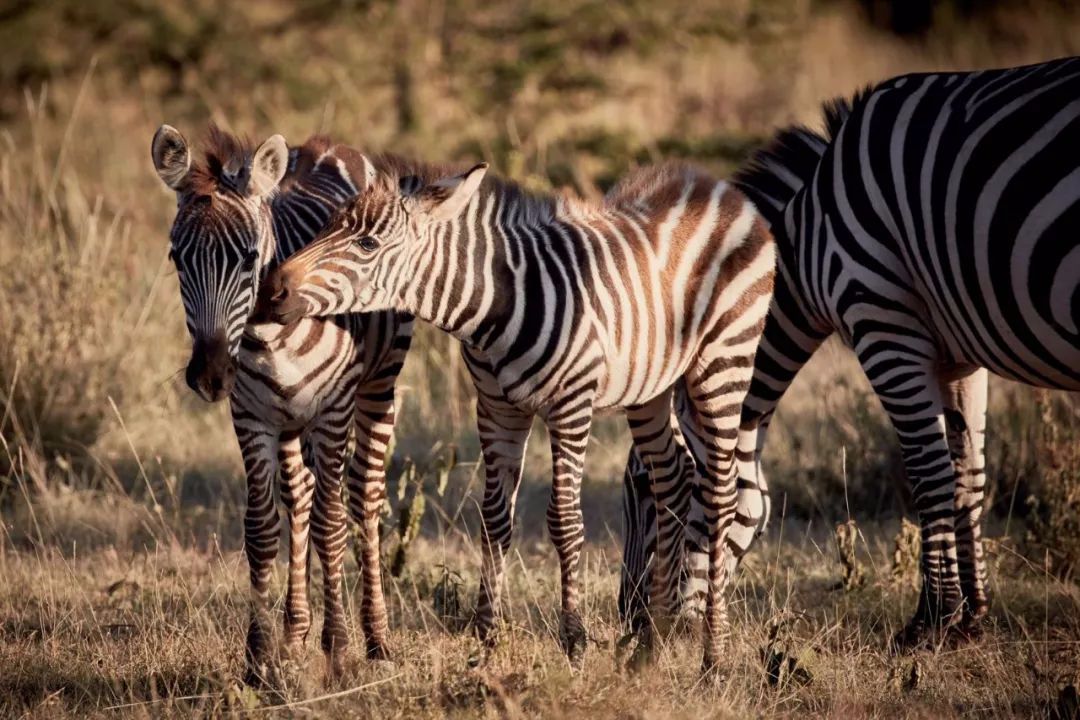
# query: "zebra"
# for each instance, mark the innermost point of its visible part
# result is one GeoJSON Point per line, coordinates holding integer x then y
{"type": "Point", "coordinates": [769, 178]}
{"type": "Point", "coordinates": [295, 391]}
{"type": "Point", "coordinates": [938, 237]}
{"type": "Point", "coordinates": [576, 308]}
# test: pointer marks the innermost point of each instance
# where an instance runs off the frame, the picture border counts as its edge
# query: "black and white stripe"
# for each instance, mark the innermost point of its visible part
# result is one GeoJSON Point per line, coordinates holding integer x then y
{"type": "Point", "coordinates": [940, 238]}
{"type": "Point", "coordinates": [568, 309]}
{"type": "Point", "coordinates": [296, 391]}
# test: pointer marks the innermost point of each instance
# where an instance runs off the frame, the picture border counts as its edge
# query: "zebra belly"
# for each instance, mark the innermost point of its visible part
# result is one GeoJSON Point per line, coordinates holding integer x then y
{"type": "Point", "coordinates": [1015, 343]}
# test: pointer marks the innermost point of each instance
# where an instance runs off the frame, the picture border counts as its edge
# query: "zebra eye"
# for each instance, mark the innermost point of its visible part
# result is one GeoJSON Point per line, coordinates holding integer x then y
{"type": "Point", "coordinates": [249, 260]}
{"type": "Point", "coordinates": [368, 243]}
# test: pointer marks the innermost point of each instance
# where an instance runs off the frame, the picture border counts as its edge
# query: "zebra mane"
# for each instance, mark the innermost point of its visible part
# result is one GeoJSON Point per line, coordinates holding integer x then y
{"type": "Point", "coordinates": [775, 173]}
{"type": "Point", "coordinates": [396, 172]}
{"type": "Point", "coordinates": [660, 184]}
{"type": "Point", "coordinates": [227, 159]}
{"type": "Point", "coordinates": [225, 156]}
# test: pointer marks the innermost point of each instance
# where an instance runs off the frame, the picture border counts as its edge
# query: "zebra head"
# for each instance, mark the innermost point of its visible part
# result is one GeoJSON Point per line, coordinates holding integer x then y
{"type": "Point", "coordinates": [365, 259]}
{"type": "Point", "coordinates": [221, 240]}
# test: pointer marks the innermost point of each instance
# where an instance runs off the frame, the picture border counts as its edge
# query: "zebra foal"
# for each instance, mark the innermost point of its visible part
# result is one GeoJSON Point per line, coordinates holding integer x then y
{"type": "Point", "coordinates": [576, 308]}
{"type": "Point", "coordinates": [295, 391]}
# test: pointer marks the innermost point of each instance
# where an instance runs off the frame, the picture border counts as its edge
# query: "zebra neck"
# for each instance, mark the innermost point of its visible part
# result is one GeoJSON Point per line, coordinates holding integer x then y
{"type": "Point", "coordinates": [481, 276]}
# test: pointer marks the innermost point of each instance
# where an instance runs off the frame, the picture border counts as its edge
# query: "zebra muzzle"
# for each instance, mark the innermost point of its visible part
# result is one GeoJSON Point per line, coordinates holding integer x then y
{"type": "Point", "coordinates": [211, 372]}
{"type": "Point", "coordinates": [277, 302]}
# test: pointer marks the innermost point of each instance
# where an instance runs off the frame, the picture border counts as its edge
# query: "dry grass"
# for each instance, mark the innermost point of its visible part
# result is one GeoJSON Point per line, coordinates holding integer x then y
{"type": "Point", "coordinates": [120, 493]}
{"type": "Point", "coordinates": [126, 615]}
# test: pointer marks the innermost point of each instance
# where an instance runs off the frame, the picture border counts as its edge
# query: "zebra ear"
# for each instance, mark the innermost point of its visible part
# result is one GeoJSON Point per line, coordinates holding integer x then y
{"type": "Point", "coordinates": [269, 165]}
{"type": "Point", "coordinates": [443, 199]}
{"type": "Point", "coordinates": [171, 156]}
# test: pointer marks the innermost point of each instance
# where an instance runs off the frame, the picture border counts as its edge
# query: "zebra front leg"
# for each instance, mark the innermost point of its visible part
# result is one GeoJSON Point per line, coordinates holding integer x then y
{"type": "Point", "coordinates": [504, 434]}
{"type": "Point", "coordinates": [965, 400]}
{"type": "Point", "coordinates": [568, 425]}
{"type": "Point", "coordinates": [329, 531]}
{"type": "Point", "coordinates": [261, 527]}
{"type": "Point", "coordinates": [367, 493]}
{"type": "Point", "coordinates": [639, 543]}
{"type": "Point", "coordinates": [909, 389]}
{"type": "Point", "coordinates": [297, 487]}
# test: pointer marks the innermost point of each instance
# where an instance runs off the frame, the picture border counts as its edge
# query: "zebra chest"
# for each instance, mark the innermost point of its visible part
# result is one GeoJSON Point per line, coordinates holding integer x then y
{"type": "Point", "coordinates": [292, 377]}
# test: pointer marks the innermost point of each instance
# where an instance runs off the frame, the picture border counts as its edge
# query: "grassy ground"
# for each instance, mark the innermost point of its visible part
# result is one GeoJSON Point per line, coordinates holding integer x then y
{"type": "Point", "coordinates": [137, 615]}
{"type": "Point", "coordinates": [121, 579]}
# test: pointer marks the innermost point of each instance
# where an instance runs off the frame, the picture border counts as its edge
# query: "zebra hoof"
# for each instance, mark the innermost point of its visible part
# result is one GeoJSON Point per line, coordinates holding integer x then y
{"type": "Point", "coordinates": [340, 663]}
{"type": "Point", "coordinates": [643, 655]}
{"type": "Point", "coordinates": [379, 651]}
{"type": "Point", "coordinates": [711, 674]}
{"type": "Point", "coordinates": [256, 676]}
{"type": "Point", "coordinates": [573, 638]}
{"type": "Point", "coordinates": [917, 635]}
{"type": "Point", "coordinates": [968, 632]}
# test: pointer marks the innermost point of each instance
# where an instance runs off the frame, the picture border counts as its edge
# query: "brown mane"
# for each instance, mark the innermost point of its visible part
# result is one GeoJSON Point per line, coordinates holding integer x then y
{"type": "Point", "coordinates": [227, 156]}
{"type": "Point", "coordinates": [302, 159]}
{"type": "Point", "coordinates": [222, 151]}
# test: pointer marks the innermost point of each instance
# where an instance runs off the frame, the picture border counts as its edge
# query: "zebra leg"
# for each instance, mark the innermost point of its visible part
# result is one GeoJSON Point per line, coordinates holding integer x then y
{"type": "Point", "coordinates": [261, 526]}
{"type": "Point", "coordinates": [789, 340]}
{"type": "Point", "coordinates": [909, 389]}
{"type": "Point", "coordinates": [367, 493]}
{"type": "Point", "coordinates": [504, 433]}
{"type": "Point", "coordinates": [965, 415]}
{"type": "Point", "coordinates": [329, 530]}
{"type": "Point", "coordinates": [568, 425]}
{"type": "Point", "coordinates": [297, 486]}
{"type": "Point", "coordinates": [716, 386]}
{"type": "Point", "coordinates": [639, 542]}
{"type": "Point", "coordinates": [671, 472]}
{"type": "Point", "coordinates": [639, 509]}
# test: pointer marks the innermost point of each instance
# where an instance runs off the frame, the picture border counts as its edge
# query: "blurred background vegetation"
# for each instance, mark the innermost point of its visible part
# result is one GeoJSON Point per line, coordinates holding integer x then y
{"type": "Point", "coordinates": [558, 94]}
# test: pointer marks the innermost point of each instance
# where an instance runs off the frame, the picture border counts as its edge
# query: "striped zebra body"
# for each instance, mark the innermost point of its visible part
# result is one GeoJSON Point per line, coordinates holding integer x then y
{"type": "Point", "coordinates": [770, 181]}
{"type": "Point", "coordinates": [568, 310]}
{"type": "Point", "coordinates": [295, 391]}
{"type": "Point", "coordinates": [938, 237]}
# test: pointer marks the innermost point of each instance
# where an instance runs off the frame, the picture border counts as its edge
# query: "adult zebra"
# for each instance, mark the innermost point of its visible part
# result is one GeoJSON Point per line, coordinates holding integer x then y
{"type": "Point", "coordinates": [578, 308]}
{"type": "Point", "coordinates": [295, 390]}
{"type": "Point", "coordinates": [940, 238]}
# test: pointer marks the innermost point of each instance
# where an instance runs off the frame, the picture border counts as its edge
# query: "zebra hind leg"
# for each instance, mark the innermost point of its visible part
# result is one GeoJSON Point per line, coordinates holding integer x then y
{"type": "Point", "coordinates": [909, 390]}
{"type": "Point", "coordinates": [965, 415]}
{"type": "Point", "coordinates": [716, 387]}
